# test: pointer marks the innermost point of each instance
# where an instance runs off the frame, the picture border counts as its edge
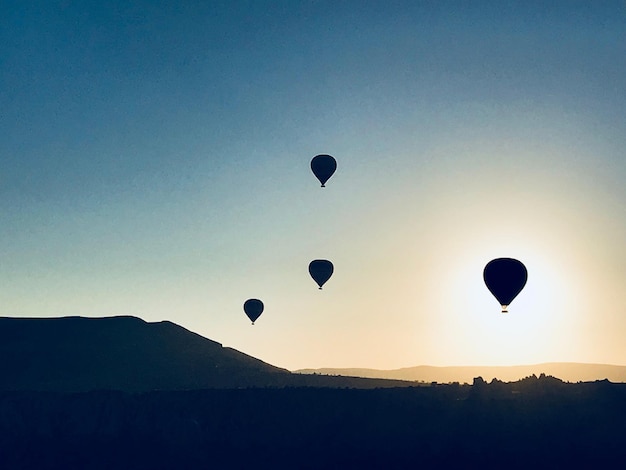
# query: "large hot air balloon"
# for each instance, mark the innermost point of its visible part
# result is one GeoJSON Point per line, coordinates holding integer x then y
{"type": "Point", "coordinates": [323, 167]}
{"type": "Point", "coordinates": [505, 278]}
{"type": "Point", "coordinates": [253, 308]}
{"type": "Point", "coordinates": [320, 270]}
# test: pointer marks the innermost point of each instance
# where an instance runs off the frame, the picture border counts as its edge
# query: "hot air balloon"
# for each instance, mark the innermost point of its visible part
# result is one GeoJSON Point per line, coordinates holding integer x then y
{"type": "Point", "coordinates": [505, 278]}
{"type": "Point", "coordinates": [320, 270]}
{"type": "Point", "coordinates": [253, 308]}
{"type": "Point", "coordinates": [323, 167]}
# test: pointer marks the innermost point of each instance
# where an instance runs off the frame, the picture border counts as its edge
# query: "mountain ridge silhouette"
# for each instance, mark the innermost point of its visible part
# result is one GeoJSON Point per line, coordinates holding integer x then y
{"type": "Point", "coordinates": [79, 354]}
{"type": "Point", "coordinates": [123, 352]}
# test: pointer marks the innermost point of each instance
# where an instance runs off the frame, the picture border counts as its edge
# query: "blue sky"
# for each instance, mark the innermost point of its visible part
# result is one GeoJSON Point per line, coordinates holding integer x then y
{"type": "Point", "coordinates": [155, 162]}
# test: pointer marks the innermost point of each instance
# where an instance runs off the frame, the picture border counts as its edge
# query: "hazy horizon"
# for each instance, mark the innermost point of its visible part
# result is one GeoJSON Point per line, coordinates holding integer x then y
{"type": "Point", "coordinates": [156, 164]}
{"type": "Point", "coordinates": [94, 350]}
{"type": "Point", "coordinates": [341, 370]}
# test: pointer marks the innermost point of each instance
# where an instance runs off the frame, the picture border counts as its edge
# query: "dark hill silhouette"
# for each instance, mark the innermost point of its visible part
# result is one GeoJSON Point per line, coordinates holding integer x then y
{"type": "Point", "coordinates": [74, 354]}
{"type": "Point", "coordinates": [123, 353]}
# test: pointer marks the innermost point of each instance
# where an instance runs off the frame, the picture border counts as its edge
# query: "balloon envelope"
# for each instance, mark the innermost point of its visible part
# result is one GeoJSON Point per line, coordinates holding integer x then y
{"type": "Point", "coordinates": [505, 278]}
{"type": "Point", "coordinates": [253, 308]}
{"type": "Point", "coordinates": [323, 167]}
{"type": "Point", "coordinates": [320, 270]}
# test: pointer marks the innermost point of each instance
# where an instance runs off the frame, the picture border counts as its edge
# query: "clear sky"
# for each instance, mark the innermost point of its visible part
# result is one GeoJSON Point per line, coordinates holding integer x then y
{"type": "Point", "coordinates": [154, 161]}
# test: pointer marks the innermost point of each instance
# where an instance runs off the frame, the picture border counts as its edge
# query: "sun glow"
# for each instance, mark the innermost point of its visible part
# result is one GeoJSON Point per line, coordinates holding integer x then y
{"type": "Point", "coordinates": [538, 326]}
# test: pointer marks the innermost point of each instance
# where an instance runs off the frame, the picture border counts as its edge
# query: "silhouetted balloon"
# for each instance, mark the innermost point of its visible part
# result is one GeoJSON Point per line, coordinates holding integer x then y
{"type": "Point", "coordinates": [320, 270]}
{"type": "Point", "coordinates": [253, 308]}
{"type": "Point", "coordinates": [323, 167]}
{"type": "Point", "coordinates": [505, 278]}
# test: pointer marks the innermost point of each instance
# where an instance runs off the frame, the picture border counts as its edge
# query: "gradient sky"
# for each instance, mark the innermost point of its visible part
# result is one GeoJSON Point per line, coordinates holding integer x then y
{"type": "Point", "coordinates": [154, 161]}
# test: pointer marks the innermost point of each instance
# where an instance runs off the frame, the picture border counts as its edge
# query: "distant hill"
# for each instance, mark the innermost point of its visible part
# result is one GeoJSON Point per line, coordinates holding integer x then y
{"type": "Point", "coordinates": [74, 354]}
{"type": "Point", "coordinates": [566, 371]}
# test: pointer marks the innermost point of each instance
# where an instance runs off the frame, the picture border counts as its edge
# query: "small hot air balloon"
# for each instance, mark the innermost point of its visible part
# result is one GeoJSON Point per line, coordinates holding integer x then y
{"type": "Point", "coordinates": [320, 270]}
{"type": "Point", "coordinates": [505, 278]}
{"type": "Point", "coordinates": [323, 167]}
{"type": "Point", "coordinates": [253, 308]}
